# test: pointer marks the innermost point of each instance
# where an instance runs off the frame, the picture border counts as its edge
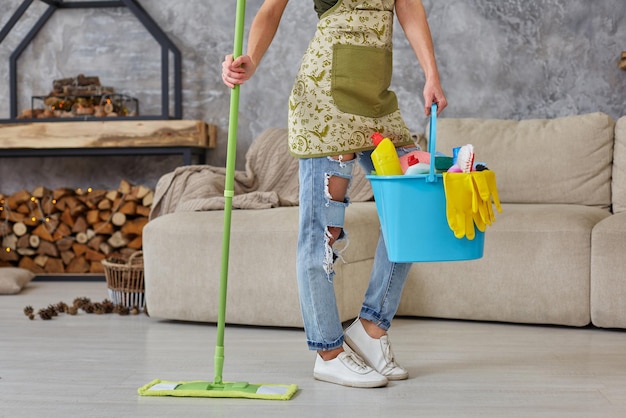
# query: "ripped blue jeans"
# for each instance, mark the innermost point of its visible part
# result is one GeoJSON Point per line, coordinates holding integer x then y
{"type": "Point", "coordinates": [315, 257]}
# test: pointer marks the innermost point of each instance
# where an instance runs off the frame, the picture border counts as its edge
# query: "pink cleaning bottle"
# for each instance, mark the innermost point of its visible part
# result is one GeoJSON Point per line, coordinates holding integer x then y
{"type": "Point", "coordinates": [385, 157]}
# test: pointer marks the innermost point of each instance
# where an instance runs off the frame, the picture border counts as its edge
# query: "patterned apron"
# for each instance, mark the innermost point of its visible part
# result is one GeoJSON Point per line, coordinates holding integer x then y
{"type": "Point", "coordinates": [341, 93]}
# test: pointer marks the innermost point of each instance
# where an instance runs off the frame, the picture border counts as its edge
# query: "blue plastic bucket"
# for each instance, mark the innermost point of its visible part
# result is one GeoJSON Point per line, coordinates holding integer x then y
{"type": "Point", "coordinates": [412, 213]}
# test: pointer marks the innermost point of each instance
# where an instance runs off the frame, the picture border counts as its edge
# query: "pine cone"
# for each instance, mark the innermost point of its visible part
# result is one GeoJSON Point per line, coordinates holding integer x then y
{"type": "Point", "coordinates": [61, 307]}
{"type": "Point", "coordinates": [122, 310]}
{"type": "Point", "coordinates": [72, 310]}
{"type": "Point", "coordinates": [108, 306]}
{"type": "Point", "coordinates": [28, 310]}
{"type": "Point", "coordinates": [98, 308]}
{"type": "Point", "coordinates": [134, 310]}
{"type": "Point", "coordinates": [52, 310]}
{"type": "Point", "coordinates": [80, 302]}
{"type": "Point", "coordinates": [44, 314]}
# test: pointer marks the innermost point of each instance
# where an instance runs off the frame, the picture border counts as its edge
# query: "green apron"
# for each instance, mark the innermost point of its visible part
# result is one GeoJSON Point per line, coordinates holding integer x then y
{"type": "Point", "coordinates": [341, 93]}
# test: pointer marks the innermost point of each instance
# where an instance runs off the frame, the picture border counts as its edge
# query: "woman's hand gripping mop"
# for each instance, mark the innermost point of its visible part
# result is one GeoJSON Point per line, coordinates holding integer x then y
{"type": "Point", "coordinates": [217, 388]}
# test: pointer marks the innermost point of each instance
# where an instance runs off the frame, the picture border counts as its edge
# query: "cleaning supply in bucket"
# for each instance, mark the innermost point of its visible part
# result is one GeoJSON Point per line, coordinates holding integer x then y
{"type": "Point", "coordinates": [463, 159]}
{"type": "Point", "coordinates": [420, 156]}
{"type": "Point", "coordinates": [415, 166]}
{"type": "Point", "coordinates": [384, 157]}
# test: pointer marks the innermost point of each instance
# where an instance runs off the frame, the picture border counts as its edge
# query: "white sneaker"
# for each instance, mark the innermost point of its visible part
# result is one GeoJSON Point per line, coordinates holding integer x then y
{"type": "Point", "coordinates": [348, 369]}
{"type": "Point", "coordinates": [376, 352]}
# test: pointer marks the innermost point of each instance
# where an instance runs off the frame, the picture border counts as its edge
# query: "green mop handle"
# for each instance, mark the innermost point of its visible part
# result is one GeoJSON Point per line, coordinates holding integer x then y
{"type": "Point", "coordinates": [228, 196]}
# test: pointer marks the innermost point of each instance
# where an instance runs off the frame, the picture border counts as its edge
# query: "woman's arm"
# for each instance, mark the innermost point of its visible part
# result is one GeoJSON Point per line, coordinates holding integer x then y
{"type": "Point", "coordinates": [262, 31]}
{"type": "Point", "coordinates": [412, 18]}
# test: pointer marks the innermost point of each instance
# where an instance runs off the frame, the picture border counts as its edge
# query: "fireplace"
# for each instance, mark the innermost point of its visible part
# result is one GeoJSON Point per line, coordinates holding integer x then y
{"type": "Point", "coordinates": [167, 48]}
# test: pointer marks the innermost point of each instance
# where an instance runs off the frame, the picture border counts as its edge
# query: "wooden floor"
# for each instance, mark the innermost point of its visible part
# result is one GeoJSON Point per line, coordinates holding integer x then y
{"type": "Point", "coordinates": [92, 365]}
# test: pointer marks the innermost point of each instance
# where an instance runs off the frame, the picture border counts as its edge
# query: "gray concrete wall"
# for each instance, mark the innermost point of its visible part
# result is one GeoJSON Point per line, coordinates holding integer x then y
{"type": "Point", "coordinates": [502, 59]}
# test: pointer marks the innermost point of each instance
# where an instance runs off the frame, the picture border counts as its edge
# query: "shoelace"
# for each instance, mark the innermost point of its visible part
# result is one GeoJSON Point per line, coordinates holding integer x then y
{"type": "Point", "coordinates": [355, 361]}
{"type": "Point", "coordinates": [388, 352]}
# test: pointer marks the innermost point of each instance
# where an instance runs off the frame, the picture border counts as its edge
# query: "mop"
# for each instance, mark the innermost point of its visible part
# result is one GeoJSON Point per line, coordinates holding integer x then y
{"type": "Point", "coordinates": [218, 388]}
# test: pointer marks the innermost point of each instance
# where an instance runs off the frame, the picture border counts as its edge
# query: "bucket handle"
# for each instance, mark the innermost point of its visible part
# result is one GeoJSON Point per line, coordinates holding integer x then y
{"type": "Point", "coordinates": [432, 143]}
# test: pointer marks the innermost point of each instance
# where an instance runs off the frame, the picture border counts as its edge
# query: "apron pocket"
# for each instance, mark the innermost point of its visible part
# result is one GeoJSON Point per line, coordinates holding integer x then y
{"type": "Point", "coordinates": [361, 76]}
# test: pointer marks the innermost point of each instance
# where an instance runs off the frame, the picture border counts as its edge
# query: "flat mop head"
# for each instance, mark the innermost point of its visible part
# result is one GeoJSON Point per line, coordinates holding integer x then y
{"type": "Point", "coordinates": [204, 389]}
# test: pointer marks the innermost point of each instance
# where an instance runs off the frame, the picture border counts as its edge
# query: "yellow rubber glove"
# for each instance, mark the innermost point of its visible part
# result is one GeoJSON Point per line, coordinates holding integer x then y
{"type": "Point", "coordinates": [461, 203]}
{"type": "Point", "coordinates": [485, 186]}
{"type": "Point", "coordinates": [484, 216]}
{"type": "Point", "coordinates": [491, 181]}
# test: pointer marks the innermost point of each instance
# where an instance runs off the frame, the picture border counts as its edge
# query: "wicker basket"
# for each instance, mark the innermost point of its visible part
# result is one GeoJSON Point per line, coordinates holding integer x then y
{"type": "Point", "coordinates": [125, 280]}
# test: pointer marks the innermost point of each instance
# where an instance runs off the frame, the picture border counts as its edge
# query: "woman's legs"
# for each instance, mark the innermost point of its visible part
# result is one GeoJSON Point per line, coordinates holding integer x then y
{"type": "Point", "coordinates": [323, 185]}
{"type": "Point", "coordinates": [387, 278]}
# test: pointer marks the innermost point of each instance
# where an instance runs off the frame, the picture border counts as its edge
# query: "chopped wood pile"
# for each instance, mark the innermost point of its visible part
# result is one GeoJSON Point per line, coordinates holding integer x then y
{"type": "Point", "coordinates": [64, 231]}
{"type": "Point", "coordinates": [81, 96]}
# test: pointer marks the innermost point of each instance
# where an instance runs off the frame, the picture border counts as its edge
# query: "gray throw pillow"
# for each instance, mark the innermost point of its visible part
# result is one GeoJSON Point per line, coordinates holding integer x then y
{"type": "Point", "coordinates": [13, 279]}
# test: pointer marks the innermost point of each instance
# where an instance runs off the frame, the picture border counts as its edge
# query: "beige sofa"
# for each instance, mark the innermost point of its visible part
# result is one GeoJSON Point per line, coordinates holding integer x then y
{"type": "Point", "coordinates": [555, 255]}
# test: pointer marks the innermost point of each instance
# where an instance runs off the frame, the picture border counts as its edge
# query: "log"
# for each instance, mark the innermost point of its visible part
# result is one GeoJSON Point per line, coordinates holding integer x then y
{"type": "Point", "coordinates": [41, 260]}
{"type": "Point", "coordinates": [29, 264]}
{"type": "Point", "coordinates": [26, 252]}
{"type": "Point", "coordinates": [54, 266]}
{"type": "Point", "coordinates": [23, 241]}
{"type": "Point", "coordinates": [67, 218]}
{"type": "Point", "coordinates": [93, 217]}
{"type": "Point", "coordinates": [134, 227]}
{"type": "Point", "coordinates": [8, 254]}
{"type": "Point", "coordinates": [65, 244]}
{"type": "Point", "coordinates": [19, 229]}
{"type": "Point", "coordinates": [128, 208]}
{"type": "Point", "coordinates": [81, 238]}
{"type": "Point", "coordinates": [118, 219]}
{"type": "Point", "coordinates": [78, 265]}
{"type": "Point", "coordinates": [42, 232]}
{"type": "Point", "coordinates": [33, 241]}
{"type": "Point", "coordinates": [136, 243]}
{"type": "Point", "coordinates": [67, 257]}
{"type": "Point", "coordinates": [9, 241]}
{"type": "Point", "coordinates": [41, 191]}
{"type": "Point", "coordinates": [17, 199]}
{"type": "Point", "coordinates": [147, 199]}
{"type": "Point", "coordinates": [117, 240]}
{"type": "Point", "coordinates": [124, 187]}
{"type": "Point", "coordinates": [47, 248]}
{"type": "Point", "coordinates": [80, 225]}
{"type": "Point", "coordinates": [105, 204]}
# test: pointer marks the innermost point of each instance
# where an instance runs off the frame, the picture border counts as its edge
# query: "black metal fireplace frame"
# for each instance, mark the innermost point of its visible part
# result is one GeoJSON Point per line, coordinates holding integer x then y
{"type": "Point", "coordinates": [167, 48]}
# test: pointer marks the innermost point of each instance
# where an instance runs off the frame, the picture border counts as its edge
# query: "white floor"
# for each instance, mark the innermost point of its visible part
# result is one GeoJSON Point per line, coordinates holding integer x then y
{"type": "Point", "coordinates": [92, 365]}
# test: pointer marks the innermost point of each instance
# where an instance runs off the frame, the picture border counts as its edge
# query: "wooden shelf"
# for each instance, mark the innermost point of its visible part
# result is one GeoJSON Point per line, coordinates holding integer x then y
{"type": "Point", "coordinates": [187, 138]}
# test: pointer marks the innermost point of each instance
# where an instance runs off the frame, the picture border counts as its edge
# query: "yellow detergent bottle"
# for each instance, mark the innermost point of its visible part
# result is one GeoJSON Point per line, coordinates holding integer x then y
{"type": "Point", "coordinates": [385, 157]}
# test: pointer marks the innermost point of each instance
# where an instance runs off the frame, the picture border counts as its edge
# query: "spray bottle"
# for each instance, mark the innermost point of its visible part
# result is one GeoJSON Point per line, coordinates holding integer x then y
{"type": "Point", "coordinates": [385, 157]}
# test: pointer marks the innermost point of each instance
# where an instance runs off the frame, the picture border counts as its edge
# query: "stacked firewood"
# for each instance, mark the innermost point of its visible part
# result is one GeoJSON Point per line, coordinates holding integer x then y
{"type": "Point", "coordinates": [65, 231]}
{"type": "Point", "coordinates": [79, 96]}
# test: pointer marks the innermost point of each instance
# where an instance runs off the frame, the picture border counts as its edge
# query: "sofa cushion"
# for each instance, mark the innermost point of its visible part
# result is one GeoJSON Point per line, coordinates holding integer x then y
{"type": "Point", "coordinates": [563, 160]}
{"type": "Point", "coordinates": [535, 269]}
{"type": "Point", "coordinates": [608, 272]}
{"type": "Point", "coordinates": [619, 167]}
{"type": "Point", "coordinates": [182, 262]}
